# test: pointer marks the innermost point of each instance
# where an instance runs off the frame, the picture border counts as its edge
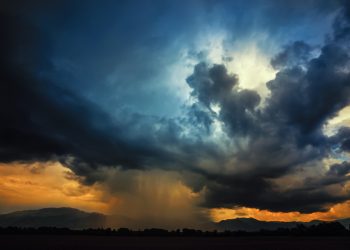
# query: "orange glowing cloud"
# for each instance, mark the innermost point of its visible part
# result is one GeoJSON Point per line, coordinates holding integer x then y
{"type": "Point", "coordinates": [337, 211]}
{"type": "Point", "coordinates": [36, 185]}
{"type": "Point", "coordinates": [153, 197]}
{"type": "Point", "coordinates": [135, 198]}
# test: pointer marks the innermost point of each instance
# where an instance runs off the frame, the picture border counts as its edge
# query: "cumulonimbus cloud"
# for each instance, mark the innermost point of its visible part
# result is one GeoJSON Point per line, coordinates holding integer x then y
{"type": "Point", "coordinates": [42, 120]}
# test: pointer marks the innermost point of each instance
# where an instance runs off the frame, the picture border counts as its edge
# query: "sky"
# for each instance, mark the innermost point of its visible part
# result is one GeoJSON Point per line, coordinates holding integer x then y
{"type": "Point", "coordinates": [176, 113]}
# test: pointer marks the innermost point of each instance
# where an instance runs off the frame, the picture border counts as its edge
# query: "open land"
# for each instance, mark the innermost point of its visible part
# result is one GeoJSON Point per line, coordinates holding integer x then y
{"type": "Point", "coordinates": [68, 242]}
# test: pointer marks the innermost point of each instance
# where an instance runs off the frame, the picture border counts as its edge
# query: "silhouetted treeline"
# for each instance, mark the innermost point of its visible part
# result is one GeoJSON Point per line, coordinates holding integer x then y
{"type": "Point", "coordinates": [322, 229]}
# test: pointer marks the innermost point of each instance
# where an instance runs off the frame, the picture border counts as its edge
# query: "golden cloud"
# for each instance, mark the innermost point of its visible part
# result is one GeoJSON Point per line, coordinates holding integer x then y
{"type": "Point", "coordinates": [38, 185]}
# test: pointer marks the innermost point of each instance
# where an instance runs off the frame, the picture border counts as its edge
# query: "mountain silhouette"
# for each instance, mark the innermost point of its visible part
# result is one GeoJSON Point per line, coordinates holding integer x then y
{"type": "Point", "coordinates": [53, 217]}
{"type": "Point", "coordinates": [72, 218]}
{"type": "Point", "coordinates": [250, 224]}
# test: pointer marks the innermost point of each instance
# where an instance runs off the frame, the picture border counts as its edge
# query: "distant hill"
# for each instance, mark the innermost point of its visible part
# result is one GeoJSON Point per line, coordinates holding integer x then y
{"type": "Point", "coordinates": [77, 219]}
{"type": "Point", "coordinates": [250, 224]}
{"type": "Point", "coordinates": [53, 217]}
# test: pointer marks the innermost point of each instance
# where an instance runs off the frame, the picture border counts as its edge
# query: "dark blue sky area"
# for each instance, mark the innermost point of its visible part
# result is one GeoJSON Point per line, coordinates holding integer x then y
{"type": "Point", "coordinates": [126, 54]}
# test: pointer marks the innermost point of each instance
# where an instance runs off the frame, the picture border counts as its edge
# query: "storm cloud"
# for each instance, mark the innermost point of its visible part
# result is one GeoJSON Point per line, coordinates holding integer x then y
{"type": "Point", "coordinates": [285, 135]}
{"type": "Point", "coordinates": [42, 120]}
{"type": "Point", "coordinates": [226, 142]}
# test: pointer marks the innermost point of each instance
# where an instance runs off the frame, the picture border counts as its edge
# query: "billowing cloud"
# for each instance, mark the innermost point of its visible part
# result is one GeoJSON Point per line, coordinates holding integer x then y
{"type": "Point", "coordinates": [286, 134]}
{"type": "Point", "coordinates": [296, 54]}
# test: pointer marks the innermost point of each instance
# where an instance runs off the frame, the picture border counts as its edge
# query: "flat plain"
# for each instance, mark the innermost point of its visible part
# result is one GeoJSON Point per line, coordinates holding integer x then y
{"type": "Point", "coordinates": [81, 242]}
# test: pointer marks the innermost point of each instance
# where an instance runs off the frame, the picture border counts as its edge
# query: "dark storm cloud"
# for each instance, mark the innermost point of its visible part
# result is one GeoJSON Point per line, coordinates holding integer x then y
{"type": "Point", "coordinates": [307, 98]}
{"type": "Point", "coordinates": [201, 117]}
{"type": "Point", "coordinates": [342, 138]}
{"type": "Point", "coordinates": [46, 116]}
{"type": "Point", "coordinates": [341, 169]}
{"type": "Point", "coordinates": [286, 134]}
{"type": "Point", "coordinates": [274, 148]}
{"type": "Point", "coordinates": [215, 86]}
{"type": "Point", "coordinates": [42, 121]}
{"type": "Point", "coordinates": [295, 54]}
{"type": "Point", "coordinates": [211, 85]}
{"type": "Point", "coordinates": [301, 200]}
{"type": "Point", "coordinates": [346, 145]}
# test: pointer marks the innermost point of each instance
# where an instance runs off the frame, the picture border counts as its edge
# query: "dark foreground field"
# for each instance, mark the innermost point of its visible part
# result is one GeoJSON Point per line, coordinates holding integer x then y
{"type": "Point", "coordinates": [105, 242]}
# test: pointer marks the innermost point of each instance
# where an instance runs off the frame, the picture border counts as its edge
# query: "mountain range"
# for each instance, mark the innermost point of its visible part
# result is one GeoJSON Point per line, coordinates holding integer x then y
{"type": "Point", "coordinates": [250, 224]}
{"type": "Point", "coordinates": [77, 219]}
{"type": "Point", "coordinates": [53, 217]}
